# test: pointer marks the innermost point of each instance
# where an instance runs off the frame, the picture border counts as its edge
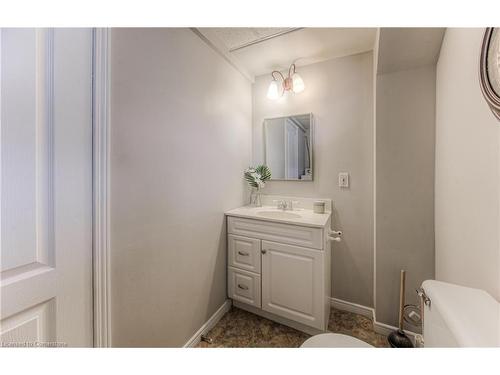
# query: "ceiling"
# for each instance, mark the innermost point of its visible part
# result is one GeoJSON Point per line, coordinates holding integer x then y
{"type": "Point", "coordinates": [258, 51]}
{"type": "Point", "coordinates": [408, 47]}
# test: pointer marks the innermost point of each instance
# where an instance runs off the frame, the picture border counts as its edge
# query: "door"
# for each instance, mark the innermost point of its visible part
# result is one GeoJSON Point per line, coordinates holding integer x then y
{"type": "Point", "coordinates": [291, 150]}
{"type": "Point", "coordinates": [292, 283]}
{"type": "Point", "coordinates": [46, 187]}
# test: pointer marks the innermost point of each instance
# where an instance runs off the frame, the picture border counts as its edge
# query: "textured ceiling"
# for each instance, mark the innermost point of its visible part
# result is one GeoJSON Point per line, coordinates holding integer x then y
{"type": "Point", "coordinates": [303, 46]}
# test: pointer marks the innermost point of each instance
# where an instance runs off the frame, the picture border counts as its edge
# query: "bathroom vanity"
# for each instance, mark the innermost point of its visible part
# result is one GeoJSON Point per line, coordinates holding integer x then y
{"type": "Point", "coordinates": [279, 262]}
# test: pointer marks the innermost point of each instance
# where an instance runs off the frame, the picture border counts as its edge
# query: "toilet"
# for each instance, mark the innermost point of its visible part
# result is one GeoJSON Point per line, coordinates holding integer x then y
{"type": "Point", "coordinates": [455, 316]}
{"type": "Point", "coordinates": [334, 340]}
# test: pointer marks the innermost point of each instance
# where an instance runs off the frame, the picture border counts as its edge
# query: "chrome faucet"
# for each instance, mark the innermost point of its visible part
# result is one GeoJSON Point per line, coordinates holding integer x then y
{"type": "Point", "coordinates": [282, 204]}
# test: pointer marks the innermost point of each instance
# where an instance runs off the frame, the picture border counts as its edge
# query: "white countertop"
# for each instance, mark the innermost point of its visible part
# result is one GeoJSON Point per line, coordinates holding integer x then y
{"type": "Point", "coordinates": [305, 217]}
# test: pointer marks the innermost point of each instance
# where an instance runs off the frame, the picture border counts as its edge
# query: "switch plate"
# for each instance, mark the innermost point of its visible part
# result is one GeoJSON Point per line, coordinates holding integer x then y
{"type": "Point", "coordinates": [344, 180]}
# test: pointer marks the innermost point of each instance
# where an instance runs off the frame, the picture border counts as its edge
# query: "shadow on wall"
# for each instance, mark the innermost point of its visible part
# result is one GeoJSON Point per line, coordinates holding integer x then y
{"type": "Point", "coordinates": [342, 258]}
{"type": "Point", "coordinates": [405, 147]}
{"type": "Point", "coordinates": [216, 281]}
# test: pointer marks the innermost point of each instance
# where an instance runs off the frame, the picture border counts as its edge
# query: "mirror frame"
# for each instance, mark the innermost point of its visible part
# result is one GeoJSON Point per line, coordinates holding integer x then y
{"type": "Point", "coordinates": [311, 144]}
{"type": "Point", "coordinates": [492, 98]}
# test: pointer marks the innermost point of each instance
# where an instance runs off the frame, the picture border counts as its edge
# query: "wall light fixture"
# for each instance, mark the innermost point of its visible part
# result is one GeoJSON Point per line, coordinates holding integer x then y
{"type": "Point", "coordinates": [280, 84]}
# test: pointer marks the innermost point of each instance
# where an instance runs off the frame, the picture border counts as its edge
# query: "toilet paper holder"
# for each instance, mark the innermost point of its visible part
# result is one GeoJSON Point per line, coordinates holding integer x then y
{"type": "Point", "coordinates": [335, 235]}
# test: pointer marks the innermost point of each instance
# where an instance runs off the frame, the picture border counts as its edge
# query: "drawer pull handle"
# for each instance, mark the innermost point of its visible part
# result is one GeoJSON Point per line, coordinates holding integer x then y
{"type": "Point", "coordinates": [243, 254]}
{"type": "Point", "coordinates": [244, 287]}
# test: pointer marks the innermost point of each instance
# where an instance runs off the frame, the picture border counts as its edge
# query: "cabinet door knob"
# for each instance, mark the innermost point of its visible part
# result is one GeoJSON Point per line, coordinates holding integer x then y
{"type": "Point", "coordinates": [263, 251]}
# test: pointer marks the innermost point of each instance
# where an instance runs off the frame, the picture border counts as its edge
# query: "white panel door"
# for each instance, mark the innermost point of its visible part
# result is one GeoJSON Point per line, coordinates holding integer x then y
{"type": "Point", "coordinates": [292, 283]}
{"type": "Point", "coordinates": [46, 186]}
{"type": "Point", "coordinates": [291, 150]}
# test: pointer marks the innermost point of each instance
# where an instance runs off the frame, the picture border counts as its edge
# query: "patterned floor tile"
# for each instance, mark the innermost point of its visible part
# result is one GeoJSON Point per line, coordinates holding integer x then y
{"type": "Point", "coordinates": [241, 329]}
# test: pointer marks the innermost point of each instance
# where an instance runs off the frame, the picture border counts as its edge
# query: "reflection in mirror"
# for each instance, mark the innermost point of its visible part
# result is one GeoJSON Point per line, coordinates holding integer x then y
{"type": "Point", "coordinates": [288, 147]}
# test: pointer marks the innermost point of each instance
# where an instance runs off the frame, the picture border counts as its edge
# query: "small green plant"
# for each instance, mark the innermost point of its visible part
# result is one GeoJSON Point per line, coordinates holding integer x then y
{"type": "Point", "coordinates": [257, 176]}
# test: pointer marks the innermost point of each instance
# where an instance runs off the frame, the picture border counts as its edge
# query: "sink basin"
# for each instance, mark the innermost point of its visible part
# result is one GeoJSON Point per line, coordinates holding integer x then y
{"type": "Point", "coordinates": [279, 215]}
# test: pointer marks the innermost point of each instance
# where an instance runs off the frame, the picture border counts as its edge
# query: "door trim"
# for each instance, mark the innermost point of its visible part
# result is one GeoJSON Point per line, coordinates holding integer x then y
{"type": "Point", "coordinates": [100, 214]}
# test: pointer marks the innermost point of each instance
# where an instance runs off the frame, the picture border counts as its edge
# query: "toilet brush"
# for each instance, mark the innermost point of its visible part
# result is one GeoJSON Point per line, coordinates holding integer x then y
{"type": "Point", "coordinates": [398, 338]}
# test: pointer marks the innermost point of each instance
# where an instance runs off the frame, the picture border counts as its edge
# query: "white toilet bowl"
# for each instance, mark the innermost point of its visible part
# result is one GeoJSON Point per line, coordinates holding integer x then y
{"type": "Point", "coordinates": [334, 340]}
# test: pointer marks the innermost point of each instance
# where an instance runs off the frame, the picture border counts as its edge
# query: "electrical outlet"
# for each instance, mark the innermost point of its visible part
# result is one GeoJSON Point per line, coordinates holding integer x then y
{"type": "Point", "coordinates": [344, 180]}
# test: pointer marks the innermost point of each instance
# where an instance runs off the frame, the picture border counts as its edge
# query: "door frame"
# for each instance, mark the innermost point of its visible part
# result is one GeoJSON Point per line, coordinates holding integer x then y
{"type": "Point", "coordinates": [100, 187]}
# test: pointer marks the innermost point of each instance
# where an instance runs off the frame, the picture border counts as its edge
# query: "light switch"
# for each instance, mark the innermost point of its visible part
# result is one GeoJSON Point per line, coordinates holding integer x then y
{"type": "Point", "coordinates": [344, 180]}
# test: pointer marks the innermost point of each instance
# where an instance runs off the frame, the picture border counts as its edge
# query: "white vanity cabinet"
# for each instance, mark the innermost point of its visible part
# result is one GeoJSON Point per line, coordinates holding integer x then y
{"type": "Point", "coordinates": [280, 271]}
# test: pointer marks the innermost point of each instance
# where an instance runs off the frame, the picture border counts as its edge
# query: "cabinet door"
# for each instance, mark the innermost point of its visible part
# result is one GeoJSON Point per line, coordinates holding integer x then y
{"type": "Point", "coordinates": [292, 283]}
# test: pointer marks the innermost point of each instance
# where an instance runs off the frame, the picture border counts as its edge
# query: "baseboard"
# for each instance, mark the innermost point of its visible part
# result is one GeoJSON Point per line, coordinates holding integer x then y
{"type": "Point", "coordinates": [386, 329]}
{"type": "Point", "coordinates": [382, 328]}
{"type": "Point", "coordinates": [352, 307]}
{"type": "Point", "coordinates": [209, 324]}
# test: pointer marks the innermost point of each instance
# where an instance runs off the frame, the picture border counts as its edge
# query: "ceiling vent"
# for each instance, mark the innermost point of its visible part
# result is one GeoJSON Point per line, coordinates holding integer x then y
{"type": "Point", "coordinates": [235, 38]}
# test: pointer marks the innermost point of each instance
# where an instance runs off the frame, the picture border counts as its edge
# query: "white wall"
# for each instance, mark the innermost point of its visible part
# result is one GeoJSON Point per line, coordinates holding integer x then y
{"type": "Point", "coordinates": [467, 169]}
{"type": "Point", "coordinates": [405, 185]}
{"type": "Point", "coordinates": [180, 140]}
{"type": "Point", "coordinates": [339, 94]}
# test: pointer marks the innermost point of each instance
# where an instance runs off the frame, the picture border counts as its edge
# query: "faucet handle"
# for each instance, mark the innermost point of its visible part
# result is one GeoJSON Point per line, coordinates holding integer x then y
{"type": "Point", "coordinates": [291, 203]}
{"type": "Point", "coordinates": [280, 203]}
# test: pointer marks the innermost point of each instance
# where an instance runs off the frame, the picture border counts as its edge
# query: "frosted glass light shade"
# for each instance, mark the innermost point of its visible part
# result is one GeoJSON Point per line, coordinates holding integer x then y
{"type": "Point", "coordinates": [273, 90]}
{"type": "Point", "coordinates": [298, 83]}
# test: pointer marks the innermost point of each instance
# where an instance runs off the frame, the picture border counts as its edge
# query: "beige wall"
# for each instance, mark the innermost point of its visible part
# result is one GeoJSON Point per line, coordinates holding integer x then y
{"type": "Point", "coordinates": [467, 169]}
{"type": "Point", "coordinates": [339, 94]}
{"type": "Point", "coordinates": [180, 139]}
{"type": "Point", "coordinates": [405, 185]}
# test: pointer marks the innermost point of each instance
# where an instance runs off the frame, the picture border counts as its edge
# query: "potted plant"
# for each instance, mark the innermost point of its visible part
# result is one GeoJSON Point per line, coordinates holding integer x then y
{"type": "Point", "coordinates": [256, 178]}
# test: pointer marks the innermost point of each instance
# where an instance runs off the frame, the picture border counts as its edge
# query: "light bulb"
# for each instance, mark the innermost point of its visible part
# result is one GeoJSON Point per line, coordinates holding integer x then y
{"type": "Point", "coordinates": [298, 83]}
{"type": "Point", "coordinates": [273, 91]}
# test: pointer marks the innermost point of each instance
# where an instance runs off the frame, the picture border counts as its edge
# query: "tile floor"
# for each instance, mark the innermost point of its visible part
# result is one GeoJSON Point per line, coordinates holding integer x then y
{"type": "Point", "coordinates": [241, 329]}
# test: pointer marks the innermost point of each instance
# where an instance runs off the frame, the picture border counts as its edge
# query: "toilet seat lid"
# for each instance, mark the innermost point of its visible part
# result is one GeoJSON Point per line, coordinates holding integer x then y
{"type": "Point", "coordinates": [334, 340]}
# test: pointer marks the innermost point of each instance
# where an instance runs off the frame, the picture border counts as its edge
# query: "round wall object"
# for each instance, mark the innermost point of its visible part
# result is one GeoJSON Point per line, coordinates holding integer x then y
{"type": "Point", "coordinates": [489, 69]}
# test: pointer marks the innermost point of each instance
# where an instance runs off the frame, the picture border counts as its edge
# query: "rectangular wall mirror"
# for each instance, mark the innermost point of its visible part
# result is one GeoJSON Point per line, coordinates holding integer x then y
{"type": "Point", "coordinates": [288, 147]}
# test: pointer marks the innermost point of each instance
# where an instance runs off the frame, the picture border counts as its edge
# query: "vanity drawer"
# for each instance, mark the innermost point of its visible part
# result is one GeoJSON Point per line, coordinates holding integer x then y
{"type": "Point", "coordinates": [243, 253]}
{"type": "Point", "coordinates": [244, 286]}
{"type": "Point", "coordinates": [277, 232]}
